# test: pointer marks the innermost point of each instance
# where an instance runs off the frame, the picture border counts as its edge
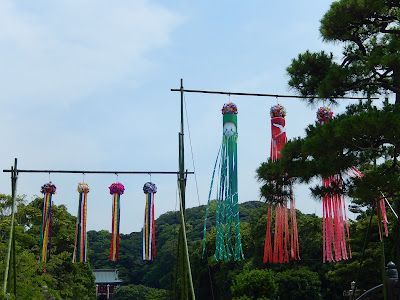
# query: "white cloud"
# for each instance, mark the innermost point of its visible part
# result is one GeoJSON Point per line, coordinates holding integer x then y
{"type": "Point", "coordinates": [77, 47]}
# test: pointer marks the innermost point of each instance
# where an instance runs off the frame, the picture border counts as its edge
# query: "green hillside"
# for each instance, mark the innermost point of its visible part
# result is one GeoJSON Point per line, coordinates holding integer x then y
{"type": "Point", "coordinates": [307, 278]}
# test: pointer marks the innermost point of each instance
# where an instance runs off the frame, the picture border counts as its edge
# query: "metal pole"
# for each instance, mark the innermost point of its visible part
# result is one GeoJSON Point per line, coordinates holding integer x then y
{"type": "Point", "coordinates": [95, 172]}
{"type": "Point", "coordinates": [14, 176]}
{"type": "Point", "coordinates": [263, 95]}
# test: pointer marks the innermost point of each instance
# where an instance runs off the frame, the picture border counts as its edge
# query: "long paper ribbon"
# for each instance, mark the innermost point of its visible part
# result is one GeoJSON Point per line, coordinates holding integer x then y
{"type": "Point", "coordinates": [115, 228]}
{"type": "Point", "coordinates": [45, 232]}
{"type": "Point", "coordinates": [227, 206]}
{"type": "Point", "coordinates": [149, 244]}
{"type": "Point", "coordinates": [116, 190]}
{"type": "Point", "coordinates": [80, 248]}
{"type": "Point", "coordinates": [48, 190]}
{"type": "Point", "coordinates": [282, 242]}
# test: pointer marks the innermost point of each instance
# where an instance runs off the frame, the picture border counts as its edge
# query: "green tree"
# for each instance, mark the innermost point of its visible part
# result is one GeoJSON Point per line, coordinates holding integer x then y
{"type": "Point", "coordinates": [254, 284]}
{"type": "Point", "coordinates": [139, 292]}
{"type": "Point", "coordinates": [369, 30]}
{"type": "Point", "coordinates": [365, 136]}
{"type": "Point", "coordinates": [363, 232]}
{"type": "Point", "coordinates": [298, 284]}
{"type": "Point", "coordinates": [63, 279]}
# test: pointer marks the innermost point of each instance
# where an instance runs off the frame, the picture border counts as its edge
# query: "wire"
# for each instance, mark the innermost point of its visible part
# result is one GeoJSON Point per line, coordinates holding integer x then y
{"type": "Point", "coordinates": [197, 188]}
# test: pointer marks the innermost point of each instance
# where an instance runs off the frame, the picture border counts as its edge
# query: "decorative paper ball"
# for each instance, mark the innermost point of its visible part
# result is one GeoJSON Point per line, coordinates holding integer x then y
{"type": "Point", "coordinates": [324, 113]}
{"type": "Point", "coordinates": [277, 111]}
{"type": "Point", "coordinates": [149, 187]}
{"type": "Point", "coordinates": [116, 188]}
{"type": "Point", "coordinates": [229, 108]}
{"type": "Point", "coordinates": [83, 188]}
{"type": "Point", "coordinates": [48, 188]}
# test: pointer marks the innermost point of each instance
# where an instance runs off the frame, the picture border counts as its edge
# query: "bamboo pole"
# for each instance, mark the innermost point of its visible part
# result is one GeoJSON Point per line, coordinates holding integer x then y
{"type": "Point", "coordinates": [14, 176]}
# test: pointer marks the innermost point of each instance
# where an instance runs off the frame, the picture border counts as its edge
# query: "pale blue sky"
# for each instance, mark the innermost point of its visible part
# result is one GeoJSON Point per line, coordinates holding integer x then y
{"type": "Point", "coordinates": [85, 85]}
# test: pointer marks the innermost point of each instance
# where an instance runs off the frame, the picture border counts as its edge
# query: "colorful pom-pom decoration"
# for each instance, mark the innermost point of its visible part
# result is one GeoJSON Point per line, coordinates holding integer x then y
{"type": "Point", "coordinates": [149, 244]}
{"type": "Point", "coordinates": [149, 187]}
{"type": "Point", "coordinates": [229, 108]}
{"type": "Point", "coordinates": [48, 188]}
{"type": "Point", "coordinates": [117, 188]}
{"type": "Point", "coordinates": [324, 113]}
{"type": "Point", "coordinates": [80, 248]}
{"type": "Point", "coordinates": [83, 188]}
{"type": "Point", "coordinates": [277, 111]}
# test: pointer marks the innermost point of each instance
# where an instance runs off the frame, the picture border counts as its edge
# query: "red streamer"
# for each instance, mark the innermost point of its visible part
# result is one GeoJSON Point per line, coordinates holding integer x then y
{"type": "Point", "coordinates": [283, 238]}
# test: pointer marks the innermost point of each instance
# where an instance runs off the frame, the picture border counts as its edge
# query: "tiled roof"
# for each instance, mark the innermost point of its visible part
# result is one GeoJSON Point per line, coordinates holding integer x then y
{"type": "Point", "coordinates": [106, 276]}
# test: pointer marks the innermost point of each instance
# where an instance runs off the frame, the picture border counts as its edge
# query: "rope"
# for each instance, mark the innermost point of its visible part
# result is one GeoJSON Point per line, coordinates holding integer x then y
{"type": "Point", "coordinates": [197, 191]}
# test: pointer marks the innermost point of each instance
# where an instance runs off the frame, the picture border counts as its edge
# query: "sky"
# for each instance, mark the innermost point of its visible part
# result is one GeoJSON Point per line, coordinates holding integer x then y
{"type": "Point", "coordinates": [86, 85]}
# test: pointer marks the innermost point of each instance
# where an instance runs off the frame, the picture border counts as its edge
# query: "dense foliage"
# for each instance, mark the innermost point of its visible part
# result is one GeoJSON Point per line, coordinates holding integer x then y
{"type": "Point", "coordinates": [366, 136]}
{"type": "Point", "coordinates": [63, 279]}
{"type": "Point", "coordinates": [307, 278]}
{"type": "Point", "coordinates": [370, 33]}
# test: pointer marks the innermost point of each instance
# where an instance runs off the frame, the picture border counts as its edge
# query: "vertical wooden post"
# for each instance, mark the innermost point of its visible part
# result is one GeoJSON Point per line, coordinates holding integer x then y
{"type": "Point", "coordinates": [14, 176]}
{"type": "Point", "coordinates": [186, 273]}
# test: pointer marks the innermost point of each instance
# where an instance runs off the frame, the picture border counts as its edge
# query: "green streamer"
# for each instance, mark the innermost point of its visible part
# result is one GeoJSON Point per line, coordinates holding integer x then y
{"type": "Point", "coordinates": [227, 205]}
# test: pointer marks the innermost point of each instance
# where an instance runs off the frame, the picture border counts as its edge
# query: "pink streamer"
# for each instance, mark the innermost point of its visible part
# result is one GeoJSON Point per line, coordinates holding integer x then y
{"type": "Point", "coordinates": [334, 222]}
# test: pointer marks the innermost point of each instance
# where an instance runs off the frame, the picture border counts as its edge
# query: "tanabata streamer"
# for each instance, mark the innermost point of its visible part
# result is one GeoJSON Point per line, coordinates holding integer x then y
{"type": "Point", "coordinates": [380, 204]}
{"type": "Point", "coordinates": [149, 244]}
{"type": "Point", "coordinates": [334, 220]}
{"type": "Point", "coordinates": [80, 232]}
{"type": "Point", "coordinates": [280, 247]}
{"type": "Point", "coordinates": [116, 189]}
{"type": "Point", "coordinates": [227, 208]}
{"type": "Point", "coordinates": [47, 190]}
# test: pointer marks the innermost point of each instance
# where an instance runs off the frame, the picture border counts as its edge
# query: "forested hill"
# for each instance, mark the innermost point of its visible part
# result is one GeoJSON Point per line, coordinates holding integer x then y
{"type": "Point", "coordinates": [158, 273]}
{"type": "Point", "coordinates": [307, 278]}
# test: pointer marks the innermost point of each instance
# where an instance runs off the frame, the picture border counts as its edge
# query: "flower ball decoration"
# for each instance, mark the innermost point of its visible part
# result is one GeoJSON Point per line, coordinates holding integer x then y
{"type": "Point", "coordinates": [324, 113]}
{"type": "Point", "coordinates": [149, 187]}
{"type": "Point", "coordinates": [83, 188]}
{"type": "Point", "coordinates": [48, 188]}
{"type": "Point", "coordinates": [277, 111]}
{"type": "Point", "coordinates": [229, 108]}
{"type": "Point", "coordinates": [116, 188]}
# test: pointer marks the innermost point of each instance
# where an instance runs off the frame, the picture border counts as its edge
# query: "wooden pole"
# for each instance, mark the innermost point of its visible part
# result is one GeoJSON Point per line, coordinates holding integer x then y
{"type": "Point", "coordinates": [14, 176]}
{"type": "Point", "coordinates": [184, 260]}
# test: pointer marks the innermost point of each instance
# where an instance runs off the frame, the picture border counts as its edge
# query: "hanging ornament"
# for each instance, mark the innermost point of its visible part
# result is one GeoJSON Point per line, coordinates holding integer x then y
{"type": "Point", "coordinates": [48, 190]}
{"type": "Point", "coordinates": [334, 219]}
{"type": "Point", "coordinates": [281, 243]}
{"type": "Point", "coordinates": [80, 248]}
{"type": "Point", "coordinates": [149, 244]}
{"type": "Point", "coordinates": [227, 210]}
{"type": "Point", "coordinates": [116, 189]}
